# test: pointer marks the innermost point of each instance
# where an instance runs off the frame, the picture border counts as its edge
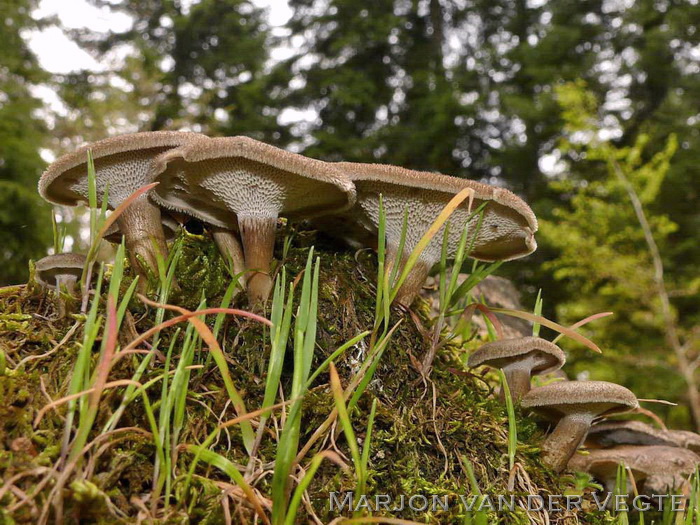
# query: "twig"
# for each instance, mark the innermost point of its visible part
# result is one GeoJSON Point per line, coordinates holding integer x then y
{"type": "Point", "coordinates": [671, 332]}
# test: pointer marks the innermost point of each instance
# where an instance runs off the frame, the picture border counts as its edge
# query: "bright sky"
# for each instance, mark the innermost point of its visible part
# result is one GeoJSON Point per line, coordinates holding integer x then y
{"type": "Point", "coordinates": [58, 54]}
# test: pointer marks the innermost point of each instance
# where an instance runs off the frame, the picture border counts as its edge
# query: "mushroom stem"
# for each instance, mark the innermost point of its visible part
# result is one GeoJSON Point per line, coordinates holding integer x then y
{"type": "Point", "coordinates": [231, 250]}
{"type": "Point", "coordinates": [258, 236]}
{"type": "Point", "coordinates": [566, 438]}
{"type": "Point", "coordinates": [518, 379]}
{"type": "Point", "coordinates": [65, 284]}
{"type": "Point", "coordinates": [143, 233]}
{"type": "Point", "coordinates": [415, 279]}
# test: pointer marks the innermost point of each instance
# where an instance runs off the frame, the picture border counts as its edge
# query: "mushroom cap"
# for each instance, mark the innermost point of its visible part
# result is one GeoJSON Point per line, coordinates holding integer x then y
{"type": "Point", "coordinates": [170, 228]}
{"type": "Point", "coordinates": [595, 398]}
{"type": "Point", "coordinates": [602, 465]}
{"type": "Point", "coordinates": [121, 164]}
{"type": "Point", "coordinates": [507, 230]}
{"type": "Point", "coordinates": [58, 265]}
{"type": "Point", "coordinates": [217, 179]}
{"type": "Point", "coordinates": [685, 439]}
{"type": "Point", "coordinates": [610, 433]}
{"type": "Point", "coordinates": [543, 355]}
{"type": "Point", "coordinates": [644, 461]}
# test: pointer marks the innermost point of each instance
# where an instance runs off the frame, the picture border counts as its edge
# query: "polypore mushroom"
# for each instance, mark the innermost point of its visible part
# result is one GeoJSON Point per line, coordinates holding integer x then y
{"type": "Point", "coordinates": [170, 228]}
{"type": "Point", "coordinates": [60, 272]}
{"type": "Point", "coordinates": [611, 433]}
{"type": "Point", "coordinates": [656, 469]}
{"type": "Point", "coordinates": [574, 404]}
{"type": "Point", "coordinates": [519, 359]}
{"type": "Point", "coordinates": [240, 183]}
{"type": "Point", "coordinates": [685, 439]}
{"type": "Point", "coordinates": [507, 230]}
{"type": "Point", "coordinates": [121, 166]}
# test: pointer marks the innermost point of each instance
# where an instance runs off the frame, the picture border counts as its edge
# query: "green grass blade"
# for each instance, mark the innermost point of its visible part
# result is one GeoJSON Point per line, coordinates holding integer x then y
{"type": "Point", "coordinates": [537, 311]}
{"type": "Point", "coordinates": [512, 424]}
{"type": "Point", "coordinates": [306, 481]}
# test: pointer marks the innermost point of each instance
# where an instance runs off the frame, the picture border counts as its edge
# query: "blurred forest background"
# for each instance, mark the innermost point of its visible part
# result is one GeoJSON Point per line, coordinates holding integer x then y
{"type": "Point", "coordinates": [586, 108]}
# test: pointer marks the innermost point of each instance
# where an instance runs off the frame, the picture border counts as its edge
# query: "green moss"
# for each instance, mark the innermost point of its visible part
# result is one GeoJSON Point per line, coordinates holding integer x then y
{"type": "Point", "coordinates": [422, 428]}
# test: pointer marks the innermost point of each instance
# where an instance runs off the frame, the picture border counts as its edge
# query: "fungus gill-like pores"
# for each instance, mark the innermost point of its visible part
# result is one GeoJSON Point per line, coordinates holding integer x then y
{"type": "Point", "coordinates": [122, 165]}
{"type": "Point", "coordinates": [657, 469]}
{"type": "Point", "coordinates": [611, 433]}
{"type": "Point", "coordinates": [520, 359]}
{"type": "Point", "coordinates": [575, 404]}
{"type": "Point", "coordinates": [60, 272]}
{"type": "Point", "coordinates": [507, 229]}
{"type": "Point", "coordinates": [240, 183]}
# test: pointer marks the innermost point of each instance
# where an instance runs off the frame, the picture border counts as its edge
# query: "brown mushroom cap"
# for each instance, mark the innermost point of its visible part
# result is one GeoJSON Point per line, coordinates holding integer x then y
{"type": "Point", "coordinates": [574, 404]}
{"type": "Point", "coordinates": [237, 183]}
{"type": "Point", "coordinates": [508, 226]}
{"type": "Point", "coordinates": [122, 163]}
{"type": "Point", "coordinates": [610, 433]}
{"type": "Point", "coordinates": [59, 267]}
{"type": "Point", "coordinates": [663, 468]}
{"type": "Point", "coordinates": [506, 232]}
{"type": "Point", "coordinates": [221, 178]}
{"type": "Point", "coordinates": [603, 467]}
{"type": "Point", "coordinates": [685, 439]}
{"type": "Point", "coordinates": [519, 358]}
{"type": "Point", "coordinates": [122, 166]}
{"type": "Point", "coordinates": [543, 355]}
{"type": "Point", "coordinates": [591, 397]}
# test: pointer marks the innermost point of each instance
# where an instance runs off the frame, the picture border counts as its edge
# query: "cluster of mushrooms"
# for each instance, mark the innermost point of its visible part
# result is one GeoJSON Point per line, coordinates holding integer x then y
{"type": "Point", "coordinates": [239, 188]}
{"type": "Point", "coordinates": [660, 460]}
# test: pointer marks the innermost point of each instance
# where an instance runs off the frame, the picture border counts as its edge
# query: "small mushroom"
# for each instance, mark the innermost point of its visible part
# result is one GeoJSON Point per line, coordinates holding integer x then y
{"type": "Point", "coordinates": [519, 359]}
{"type": "Point", "coordinates": [685, 439]}
{"type": "Point", "coordinates": [121, 166]}
{"type": "Point", "coordinates": [611, 433]}
{"type": "Point", "coordinates": [237, 183]}
{"type": "Point", "coordinates": [574, 404]}
{"type": "Point", "coordinates": [170, 227]}
{"type": "Point", "coordinates": [60, 272]}
{"type": "Point", "coordinates": [507, 230]}
{"type": "Point", "coordinates": [656, 469]}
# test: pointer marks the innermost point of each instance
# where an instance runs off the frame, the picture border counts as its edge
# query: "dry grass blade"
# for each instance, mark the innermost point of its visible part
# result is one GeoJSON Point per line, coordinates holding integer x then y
{"type": "Point", "coordinates": [583, 322]}
{"type": "Point", "coordinates": [422, 244]}
{"type": "Point", "coordinates": [184, 317]}
{"type": "Point", "coordinates": [659, 402]}
{"type": "Point", "coordinates": [488, 313]}
{"type": "Point", "coordinates": [549, 324]}
{"type": "Point", "coordinates": [650, 415]}
{"type": "Point", "coordinates": [389, 521]}
{"type": "Point", "coordinates": [123, 206]}
{"type": "Point", "coordinates": [106, 358]}
{"type": "Point", "coordinates": [255, 413]}
{"type": "Point", "coordinates": [59, 402]}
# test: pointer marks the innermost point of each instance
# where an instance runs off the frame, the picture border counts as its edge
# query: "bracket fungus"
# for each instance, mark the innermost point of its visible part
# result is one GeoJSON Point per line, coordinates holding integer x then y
{"type": "Point", "coordinates": [656, 469]}
{"type": "Point", "coordinates": [611, 433]}
{"type": "Point", "coordinates": [519, 359]}
{"type": "Point", "coordinates": [575, 404]}
{"type": "Point", "coordinates": [122, 165]}
{"type": "Point", "coordinates": [237, 183]}
{"type": "Point", "coordinates": [507, 230]}
{"type": "Point", "coordinates": [60, 272]}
